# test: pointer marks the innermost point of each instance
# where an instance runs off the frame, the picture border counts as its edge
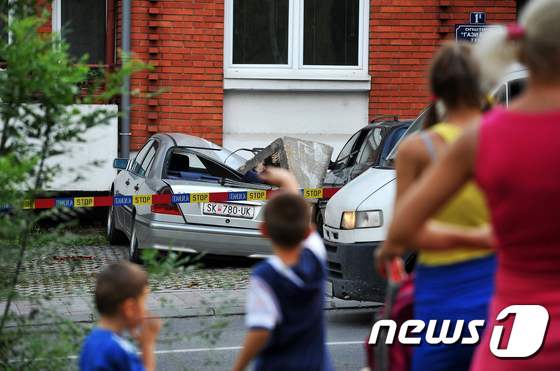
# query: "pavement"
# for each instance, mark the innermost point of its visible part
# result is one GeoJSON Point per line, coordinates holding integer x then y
{"type": "Point", "coordinates": [165, 304]}
{"type": "Point", "coordinates": [203, 308]}
{"type": "Point", "coordinates": [180, 349]}
{"type": "Point", "coordinates": [71, 271]}
{"type": "Point", "coordinates": [67, 277]}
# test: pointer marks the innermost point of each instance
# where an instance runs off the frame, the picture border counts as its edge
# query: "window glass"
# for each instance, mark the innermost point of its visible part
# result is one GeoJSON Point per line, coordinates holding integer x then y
{"type": "Point", "coordinates": [136, 166]}
{"type": "Point", "coordinates": [501, 96]}
{"type": "Point", "coordinates": [417, 125]}
{"type": "Point", "coordinates": [185, 162]}
{"type": "Point", "coordinates": [371, 147]}
{"type": "Point", "coordinates": [260, 31]}
{"type": "Point", "coordinates": [83, 25]}
{"type": "Point", "coordinates": [331, 29]}
{"type": "Point", "coordinates": [195, 164]}
{"type": "Point", "coordinates": [347, 149]}
{"type": "Point", "coordinates": [515, 88]}
{"type": "Point", "coordinates": [148, 160]}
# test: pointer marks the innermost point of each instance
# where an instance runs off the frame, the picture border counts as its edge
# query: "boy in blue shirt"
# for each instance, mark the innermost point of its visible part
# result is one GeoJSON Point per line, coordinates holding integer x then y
{"type": "Point", "coordinates": [121, 292]}
{"type": "Point", "coordinates": [284, 311]}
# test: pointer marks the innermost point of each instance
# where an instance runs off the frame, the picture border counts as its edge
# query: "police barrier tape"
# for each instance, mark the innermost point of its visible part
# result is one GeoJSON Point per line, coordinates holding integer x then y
{"type": "Point", "coordinates": [165, 199]}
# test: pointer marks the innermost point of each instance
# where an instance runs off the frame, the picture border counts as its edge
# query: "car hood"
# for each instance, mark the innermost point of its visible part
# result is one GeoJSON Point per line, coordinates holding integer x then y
{"type": "Point", "coordinates": [353, 194]}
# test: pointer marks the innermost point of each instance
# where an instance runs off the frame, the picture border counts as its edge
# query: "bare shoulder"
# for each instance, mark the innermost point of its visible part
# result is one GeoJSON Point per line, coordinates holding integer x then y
{"type": "Point", "coordinates": [413, 148]}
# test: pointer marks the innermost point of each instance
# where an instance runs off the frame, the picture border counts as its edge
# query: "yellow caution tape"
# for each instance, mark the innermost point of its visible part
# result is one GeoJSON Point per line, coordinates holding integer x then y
{"type": "Point", "coordinates": [200, 197]}
{"type": "Point", "coordinates": [256, 195]}
{"type": "Point", "coordinates": [140, 200]}
{"type": "Point", "coordinates": [83, 202]}
{"type": "Point", "coordinates": [313, 193]}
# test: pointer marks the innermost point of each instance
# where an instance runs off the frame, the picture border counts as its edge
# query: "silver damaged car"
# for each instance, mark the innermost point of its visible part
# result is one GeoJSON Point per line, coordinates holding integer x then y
{"type": "Point", "coordinates": [177, 163]}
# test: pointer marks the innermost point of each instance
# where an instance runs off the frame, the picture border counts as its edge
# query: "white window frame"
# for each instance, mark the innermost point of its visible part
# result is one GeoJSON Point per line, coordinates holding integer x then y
{"type": "Point", "coordinates": [56, 16]}
{"type": "Point", "coordinates": [295, 75]}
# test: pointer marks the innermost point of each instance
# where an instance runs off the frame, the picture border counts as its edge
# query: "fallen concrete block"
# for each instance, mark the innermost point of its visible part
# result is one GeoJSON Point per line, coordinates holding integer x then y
{"type": "Point", "coordinates": [307, 160]}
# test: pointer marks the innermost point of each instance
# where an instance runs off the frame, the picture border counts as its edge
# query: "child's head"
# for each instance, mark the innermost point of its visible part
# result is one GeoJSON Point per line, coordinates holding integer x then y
{"type": "Point", "coordinates": [121, 292]}
{"type": "Point", "coordinates": [534, 42]}
{"type": "Point", "coordinates": [287, 221]}
{"type": "Point", "coordinates": [454, 81]}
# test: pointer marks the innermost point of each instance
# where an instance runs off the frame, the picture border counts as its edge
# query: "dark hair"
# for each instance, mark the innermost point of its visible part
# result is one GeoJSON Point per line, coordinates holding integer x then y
{"type": "Point", "coordinates": [287, 218]}
{"type": "Point", "coordinates": [116, 283]}
{"type": "Point", "coordinates": [454, 80]}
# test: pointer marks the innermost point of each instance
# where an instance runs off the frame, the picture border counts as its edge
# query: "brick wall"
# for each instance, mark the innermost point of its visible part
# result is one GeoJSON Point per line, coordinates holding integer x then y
{"type": "Point", "coordinates": [183, 40]}
{"type": "Point", "coordinates": [403, 37]}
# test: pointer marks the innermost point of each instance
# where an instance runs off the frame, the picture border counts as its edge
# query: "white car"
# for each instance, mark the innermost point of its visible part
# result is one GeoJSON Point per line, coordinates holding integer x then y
{"type": "Point", "coordinates": [357, 216]}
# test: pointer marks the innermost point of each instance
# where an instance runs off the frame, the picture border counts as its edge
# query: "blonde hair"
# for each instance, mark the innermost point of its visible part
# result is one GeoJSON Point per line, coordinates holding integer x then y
{"type": "Point", "coordinates": [537, 47]}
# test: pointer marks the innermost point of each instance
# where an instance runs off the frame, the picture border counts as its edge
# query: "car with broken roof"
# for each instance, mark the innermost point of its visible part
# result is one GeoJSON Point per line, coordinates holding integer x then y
{"type": "Point", "coordinates": [180, 164]}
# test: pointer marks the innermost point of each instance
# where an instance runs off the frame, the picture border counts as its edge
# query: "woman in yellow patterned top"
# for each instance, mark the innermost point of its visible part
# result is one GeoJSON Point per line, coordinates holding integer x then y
{"type": "Point", "coordinates": [452, 282]}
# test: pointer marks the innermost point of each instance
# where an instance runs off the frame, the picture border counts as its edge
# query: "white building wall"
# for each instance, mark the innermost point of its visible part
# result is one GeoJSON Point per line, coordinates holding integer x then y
{"type": "Point", "coordinates": [88, 165]}
{"type": "Point", "coordinates": [256, 118]}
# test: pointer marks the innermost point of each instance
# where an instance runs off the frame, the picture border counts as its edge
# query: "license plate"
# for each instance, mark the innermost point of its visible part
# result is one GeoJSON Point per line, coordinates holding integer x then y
{"type": "Point", "coordinates": [229, 210]}
{"type": "Point", "coordinates": [329, 289]}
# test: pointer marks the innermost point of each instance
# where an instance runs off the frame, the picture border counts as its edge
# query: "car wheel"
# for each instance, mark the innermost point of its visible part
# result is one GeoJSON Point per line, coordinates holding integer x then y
{"type": "Point", "coordinates": [114, 236]}
{"type": "Point", "coordinates": [134, 250]}
{"type": "Point", "coordinates": [319, 222]}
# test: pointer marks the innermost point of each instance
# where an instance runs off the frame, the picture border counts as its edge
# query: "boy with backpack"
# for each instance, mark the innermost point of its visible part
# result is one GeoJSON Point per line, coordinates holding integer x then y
{"type": "Point", "coordinates": [284, 309]}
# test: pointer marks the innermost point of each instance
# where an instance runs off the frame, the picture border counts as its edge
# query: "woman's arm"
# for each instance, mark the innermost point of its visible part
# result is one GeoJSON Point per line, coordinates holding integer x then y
{"type": "Point", "coordinates": [436, 236]}
{"type": "Point", "coordinates": [411, 160]}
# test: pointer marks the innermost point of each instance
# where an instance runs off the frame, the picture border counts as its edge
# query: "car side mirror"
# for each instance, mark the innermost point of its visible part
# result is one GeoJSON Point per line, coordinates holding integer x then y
{"type": "Point", "coordinates": [120, 163]}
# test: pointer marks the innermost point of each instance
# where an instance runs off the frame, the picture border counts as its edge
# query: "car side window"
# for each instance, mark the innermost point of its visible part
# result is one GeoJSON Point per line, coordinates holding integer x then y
{"type": "Point", "coordinates": [501, 96]}
{"type": "Point", "coordinates": [371, 146]}
{"type": "Point", "coordinates": [148, 160]}
{"type": "Point", "coordinates": [137, 163]}
{"type": "Point", "coordinates": [347, 149]}
{"type": "Point", "coordinates": [515, 88]}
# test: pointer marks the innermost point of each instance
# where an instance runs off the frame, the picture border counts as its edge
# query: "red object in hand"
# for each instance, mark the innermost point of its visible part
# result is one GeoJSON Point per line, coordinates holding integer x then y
{"type": "Point", "coordinates": [395, 270]}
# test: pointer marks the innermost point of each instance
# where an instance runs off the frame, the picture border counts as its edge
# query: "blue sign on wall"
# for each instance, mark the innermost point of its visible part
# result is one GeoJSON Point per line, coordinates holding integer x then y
{"type": "Point", "coordinates": [478, 17]}
{"type": "Point", "coordinates": [470, 32]}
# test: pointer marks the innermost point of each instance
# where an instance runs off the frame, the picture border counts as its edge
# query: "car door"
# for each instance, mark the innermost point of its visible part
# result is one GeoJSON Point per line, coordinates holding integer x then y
{"type": "Point", "coordinates": [129, 180]}
{"type": "Point", "coordinates": [141, 185]}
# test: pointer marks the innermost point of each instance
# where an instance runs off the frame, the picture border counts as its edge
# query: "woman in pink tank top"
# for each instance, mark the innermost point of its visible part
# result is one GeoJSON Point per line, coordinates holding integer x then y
{"type": "Point", "coordinates": [514, 155]}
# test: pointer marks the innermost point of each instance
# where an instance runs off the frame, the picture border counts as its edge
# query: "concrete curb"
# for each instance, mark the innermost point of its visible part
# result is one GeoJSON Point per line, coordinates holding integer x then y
{"type": "Point", "coordinates": [168, 304]}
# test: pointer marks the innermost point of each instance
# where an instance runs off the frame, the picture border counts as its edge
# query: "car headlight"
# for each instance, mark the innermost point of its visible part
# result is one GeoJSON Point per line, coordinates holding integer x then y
{"type": "Point", "coordinates": [361, 219]}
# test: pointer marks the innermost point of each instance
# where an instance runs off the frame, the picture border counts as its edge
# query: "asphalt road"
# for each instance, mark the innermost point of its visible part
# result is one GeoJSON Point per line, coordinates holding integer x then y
{"type": "Point", "coordinates": [180, 348]}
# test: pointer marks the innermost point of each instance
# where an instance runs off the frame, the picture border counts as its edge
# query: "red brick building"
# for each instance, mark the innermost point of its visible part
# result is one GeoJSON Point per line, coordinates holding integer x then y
{"type": "Point", "coordinates": [242, 72]}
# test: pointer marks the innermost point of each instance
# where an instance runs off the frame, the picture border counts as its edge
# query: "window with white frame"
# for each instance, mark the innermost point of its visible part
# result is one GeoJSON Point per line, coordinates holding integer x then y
{"type": "Point", "coordinates": [83, 26]}
{"type": "Point", "coordinates": [296, 39]}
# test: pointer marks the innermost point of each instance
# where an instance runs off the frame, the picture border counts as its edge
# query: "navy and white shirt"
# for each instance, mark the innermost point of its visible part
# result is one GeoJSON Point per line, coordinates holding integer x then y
{"type": "Point", "coordinates": [104, 350]}
{"type": "Point", "coordinates": [288, 301]}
